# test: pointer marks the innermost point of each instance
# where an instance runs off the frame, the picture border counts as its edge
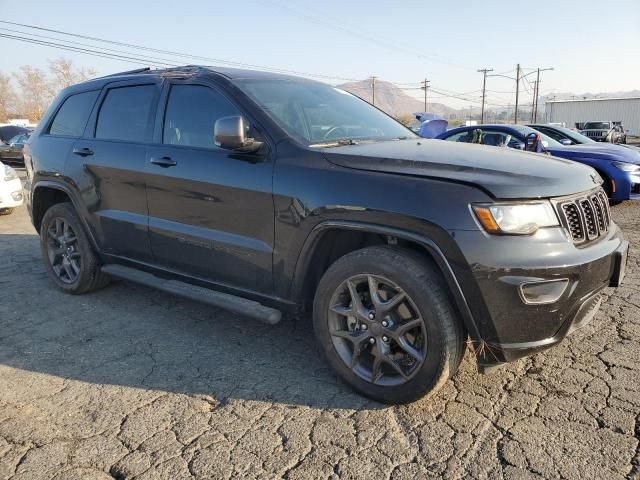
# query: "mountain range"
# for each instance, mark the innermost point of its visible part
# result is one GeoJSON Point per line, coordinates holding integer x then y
{"type": "Point", "coordinates": [396, 102]}
{"type": "Point", "coordinates": [393, 100]}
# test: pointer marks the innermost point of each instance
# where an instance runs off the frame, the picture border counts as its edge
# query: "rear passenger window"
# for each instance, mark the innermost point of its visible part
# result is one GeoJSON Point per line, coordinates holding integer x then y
{"type": "Point", "coordinates": [192, 112]}
{"type": "Point", "coordinates": [125, 113]}
{"type": "Point", "coordinates": [73, 115]}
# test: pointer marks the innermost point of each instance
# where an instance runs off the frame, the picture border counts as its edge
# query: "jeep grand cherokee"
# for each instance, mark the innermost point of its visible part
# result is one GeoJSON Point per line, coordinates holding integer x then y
{"type": "Point", "coordinates": [264, 193]}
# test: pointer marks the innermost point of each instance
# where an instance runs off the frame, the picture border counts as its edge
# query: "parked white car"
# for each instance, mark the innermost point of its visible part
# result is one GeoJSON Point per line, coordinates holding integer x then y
{"type": "Point", "coordinates": [11, 195]}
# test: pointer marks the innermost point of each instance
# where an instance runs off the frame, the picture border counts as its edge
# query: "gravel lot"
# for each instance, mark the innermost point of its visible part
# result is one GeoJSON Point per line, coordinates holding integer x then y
{"type": "Point", "coordinates": [132, 383]}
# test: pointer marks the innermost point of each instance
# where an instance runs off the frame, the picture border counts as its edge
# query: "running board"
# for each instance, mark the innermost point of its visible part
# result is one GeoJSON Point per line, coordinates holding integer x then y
{"type": "Point", "coordinates": [239, 305]}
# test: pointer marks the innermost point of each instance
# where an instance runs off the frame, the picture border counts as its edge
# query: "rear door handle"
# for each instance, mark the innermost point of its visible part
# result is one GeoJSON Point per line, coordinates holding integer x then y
{"type": "Point", "coordinates": [163, 162]}
{"type": "Point", "coordinates": [83, 152]}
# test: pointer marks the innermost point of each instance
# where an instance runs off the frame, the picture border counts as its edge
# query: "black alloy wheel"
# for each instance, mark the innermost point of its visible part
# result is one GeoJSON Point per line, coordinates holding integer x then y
{"type": "Point", "coordinates": [62, 250]}
{"type": "Point", "coordinates": [377, 330]}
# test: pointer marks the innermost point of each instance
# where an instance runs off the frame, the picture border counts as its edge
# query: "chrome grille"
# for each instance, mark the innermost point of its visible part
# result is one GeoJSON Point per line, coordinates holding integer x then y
{"type": "Point", "coordinates": [574, 221]}
{"type": "Point", "coordinates": [589, 218]}
{"type": "Point", "coordinates": [599, 212]}
{"type": "Point", "coordinates": [586, 217]}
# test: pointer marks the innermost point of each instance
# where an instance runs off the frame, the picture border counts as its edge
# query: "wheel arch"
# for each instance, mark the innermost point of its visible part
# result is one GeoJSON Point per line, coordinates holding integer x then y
{"type": "Point", "coordinates": [47, 193]}
{"type": "Point", "coordinates": [308, 269]}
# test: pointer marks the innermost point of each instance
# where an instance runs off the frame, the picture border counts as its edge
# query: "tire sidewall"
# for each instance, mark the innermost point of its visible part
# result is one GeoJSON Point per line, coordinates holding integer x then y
{"type": "Point", "coordinates": [67, 212]}
{"type": "Point", "coordinates": [430, 306]}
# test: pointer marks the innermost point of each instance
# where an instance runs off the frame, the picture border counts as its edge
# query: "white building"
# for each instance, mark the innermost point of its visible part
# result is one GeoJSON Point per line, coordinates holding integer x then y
{"type": "Point", "coordinates": [570, 112]}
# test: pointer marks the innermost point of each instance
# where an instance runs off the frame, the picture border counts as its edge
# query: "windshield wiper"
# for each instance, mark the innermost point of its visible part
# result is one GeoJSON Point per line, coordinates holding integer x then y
{"type": "Point", "coordinates": [343, 142]}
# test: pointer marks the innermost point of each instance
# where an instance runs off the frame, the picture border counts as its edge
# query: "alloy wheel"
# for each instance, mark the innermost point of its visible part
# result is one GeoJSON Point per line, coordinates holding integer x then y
{"type": "Point", "coordinates": [62, 250]}
{"type": "Point", "coordinates": [377, 330]}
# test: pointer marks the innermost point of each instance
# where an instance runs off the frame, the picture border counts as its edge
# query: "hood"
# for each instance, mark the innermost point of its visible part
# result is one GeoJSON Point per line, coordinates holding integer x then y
{"type": "Point", "coordinates": [605, 152]}
{"type": "Point", "coordinates": [503, 172]}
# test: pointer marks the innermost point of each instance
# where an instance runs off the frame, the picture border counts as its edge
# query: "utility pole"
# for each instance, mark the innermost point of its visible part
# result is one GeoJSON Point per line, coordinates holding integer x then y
{"type": "Point", "coordinates": [373, 90]}
{"type": "Point", "coordinates": [425, 87]}
{"type": "Point", "coordinates": [515, 114]}
{"type": "Point", "coordinates": [533, 100]}
{"type": "Point", "coordinates": [535, 115]}
{"type": "Point", "coordinates": [484, 72]}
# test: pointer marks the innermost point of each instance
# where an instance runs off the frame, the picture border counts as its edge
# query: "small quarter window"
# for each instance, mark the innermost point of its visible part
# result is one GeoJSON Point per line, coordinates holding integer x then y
{"type": "Point", "coordinates": [73, 115]}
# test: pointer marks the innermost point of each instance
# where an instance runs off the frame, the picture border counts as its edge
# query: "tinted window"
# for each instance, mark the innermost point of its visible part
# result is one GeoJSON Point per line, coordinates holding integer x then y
{"type": "Point", "coordinates": [487, 137]}
{"type": "Point", "coordinates": [464, 136]}
{"type": "Point", "coordinates": [597, 126]}
{"type": "Point", "coordinates": [125, 113]}
{"type": "Point", "coordinates": [191, 114]}
{"type": "Point", "coordinates": [552, 133]}
{"type": "Point", "coordinates": [73, 115]}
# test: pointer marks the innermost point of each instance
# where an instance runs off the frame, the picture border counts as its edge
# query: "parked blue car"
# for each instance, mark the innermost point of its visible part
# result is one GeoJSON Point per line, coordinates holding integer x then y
{"type": "Point", "coordinates": [618, 167]}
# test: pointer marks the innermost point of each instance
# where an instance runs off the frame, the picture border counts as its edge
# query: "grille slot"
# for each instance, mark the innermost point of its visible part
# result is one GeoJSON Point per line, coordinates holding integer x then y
{"type": "Point", "coordinates": [599, 212]}
{"type": "Point", "coordinates": [586, 217]}
{"type": "Point", "coordinates": [574, 221]}
{"type": "Point", "coordinates": [589, 219]}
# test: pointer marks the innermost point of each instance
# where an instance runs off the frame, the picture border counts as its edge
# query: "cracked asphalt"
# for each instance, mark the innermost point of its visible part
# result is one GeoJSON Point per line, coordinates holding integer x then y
{"type": "Point", "coordinates": [130, 383]}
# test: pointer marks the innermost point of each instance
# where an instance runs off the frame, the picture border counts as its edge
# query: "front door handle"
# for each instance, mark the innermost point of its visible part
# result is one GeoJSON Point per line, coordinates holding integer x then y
{"type": "Point", "coordinates": [83, 152]}
{"type": "Point", "coordinates": [163, 162]}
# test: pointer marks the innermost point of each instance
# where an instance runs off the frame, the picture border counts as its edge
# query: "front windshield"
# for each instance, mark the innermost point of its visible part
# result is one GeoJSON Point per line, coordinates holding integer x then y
{"type": "Point", "coordinates": [597, 126]}
{"type": "Point", "coordinates": [575, 136]}
{"type": "Point", "coordinates": [315, 113]}
{"type": "Point", "coordinates": [546, 139]}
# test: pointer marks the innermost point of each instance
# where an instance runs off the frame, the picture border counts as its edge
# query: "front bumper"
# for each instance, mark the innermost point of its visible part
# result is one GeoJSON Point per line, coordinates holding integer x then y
{"type": "Point", "coordinates": [510, 328]}
{"type": "Point", "coordinates": [11, 194]}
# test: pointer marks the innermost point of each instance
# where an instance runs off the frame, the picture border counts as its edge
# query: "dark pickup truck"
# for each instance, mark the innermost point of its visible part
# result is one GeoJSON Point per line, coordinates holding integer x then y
{"type": "Point", "coordinates": [263, 194]}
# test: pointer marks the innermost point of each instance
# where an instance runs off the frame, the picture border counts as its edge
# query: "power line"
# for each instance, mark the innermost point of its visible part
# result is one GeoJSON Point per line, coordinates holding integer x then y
{"type": "Point", "coordinates": [177, 54]}
{"type": "Point", "coordinates": [124, 58]}
{"type": "Point", "coordinates": [360, 33]}
{"type": "Point", "coordinates": [163, 61]}
{"type": "Point", "coordinates": [124, 54]}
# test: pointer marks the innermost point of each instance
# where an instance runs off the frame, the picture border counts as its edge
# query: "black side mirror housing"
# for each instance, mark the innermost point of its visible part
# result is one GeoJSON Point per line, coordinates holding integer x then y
{"type": "Point", "coordinates": [229, 133]}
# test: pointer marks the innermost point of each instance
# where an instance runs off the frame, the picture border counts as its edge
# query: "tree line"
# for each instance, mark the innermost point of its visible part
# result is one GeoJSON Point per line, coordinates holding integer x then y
{"type": "Point", "coordinates": [27, 92]}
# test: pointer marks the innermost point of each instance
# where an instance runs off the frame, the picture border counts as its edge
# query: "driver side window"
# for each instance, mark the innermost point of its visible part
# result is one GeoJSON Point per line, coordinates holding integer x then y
{"type": "Point", "coordinates": [465, 136]}
{"type": "Point", "coordinates": [192, 111]}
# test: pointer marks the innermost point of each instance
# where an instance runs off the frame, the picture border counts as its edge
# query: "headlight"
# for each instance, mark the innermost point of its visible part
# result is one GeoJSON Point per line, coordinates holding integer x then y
{"type": "Point", "coordinates": [9, 173]}
{"type": "Point", "coordinates": [516, 218]}
{"type": "Point", "coordinates": [627, 167]}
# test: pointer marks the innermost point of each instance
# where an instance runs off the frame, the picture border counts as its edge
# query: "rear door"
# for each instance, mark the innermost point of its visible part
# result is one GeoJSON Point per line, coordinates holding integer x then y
{"type": "Point", "coordinates": [110, 160]}
{"type": "Point", "coordinates": [210, 210]}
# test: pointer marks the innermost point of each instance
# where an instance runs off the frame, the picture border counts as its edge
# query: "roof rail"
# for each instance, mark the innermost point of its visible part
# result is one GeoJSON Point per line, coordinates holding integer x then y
{"type": "Point", "coordinates": [128, 72]}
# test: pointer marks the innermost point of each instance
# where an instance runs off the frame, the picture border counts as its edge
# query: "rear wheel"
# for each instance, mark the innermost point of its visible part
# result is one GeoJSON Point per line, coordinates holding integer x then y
{"type": "Point", "coordinates": [70, 260]}
{"type": "Point", "coordinates": [386, 325]}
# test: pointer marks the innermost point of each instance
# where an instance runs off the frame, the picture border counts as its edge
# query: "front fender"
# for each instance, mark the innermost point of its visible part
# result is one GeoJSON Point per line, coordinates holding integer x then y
{"type": "Point", "coordinates": [445, 262]}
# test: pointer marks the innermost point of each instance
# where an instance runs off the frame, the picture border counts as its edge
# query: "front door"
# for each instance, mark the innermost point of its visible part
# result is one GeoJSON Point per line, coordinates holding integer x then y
{"type": "Point", "coordinates": [210, 210]}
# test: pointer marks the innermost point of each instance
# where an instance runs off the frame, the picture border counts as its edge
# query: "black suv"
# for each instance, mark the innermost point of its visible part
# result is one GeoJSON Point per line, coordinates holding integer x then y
{"type": "Point", "coordinates": [263, 193]}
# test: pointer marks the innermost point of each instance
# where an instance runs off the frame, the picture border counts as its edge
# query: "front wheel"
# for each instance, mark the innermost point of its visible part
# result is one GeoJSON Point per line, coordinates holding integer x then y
{"type": "Point", "coordinates": [386, 325]}
{"type": "Point", "coordinates": [6, 211]}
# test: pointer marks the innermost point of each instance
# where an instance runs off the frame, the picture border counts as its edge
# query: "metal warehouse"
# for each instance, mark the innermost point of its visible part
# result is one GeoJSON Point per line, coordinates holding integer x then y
{"type": "Point", "coordinates": [570, 112]}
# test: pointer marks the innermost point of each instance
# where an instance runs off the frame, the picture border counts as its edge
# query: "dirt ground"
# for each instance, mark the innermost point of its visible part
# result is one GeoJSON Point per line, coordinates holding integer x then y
{"type": "Point", "coordinates": [133, 383]}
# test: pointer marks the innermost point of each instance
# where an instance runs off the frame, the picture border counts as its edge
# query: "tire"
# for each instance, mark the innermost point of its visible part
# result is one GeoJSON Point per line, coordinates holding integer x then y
{"type": "Point", "coordinates": [439, 338]}
{"type": "Point", "coordinates": [6, 211]}
{"type": "Point", "coordinates": [82, 260]}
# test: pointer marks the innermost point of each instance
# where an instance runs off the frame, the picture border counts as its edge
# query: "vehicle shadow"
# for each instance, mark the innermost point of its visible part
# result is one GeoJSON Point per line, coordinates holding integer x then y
{"type": "Point", "coordinates": [133, 336]}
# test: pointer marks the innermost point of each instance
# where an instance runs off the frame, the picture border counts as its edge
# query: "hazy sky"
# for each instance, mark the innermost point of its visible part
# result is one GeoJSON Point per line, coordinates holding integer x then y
{"type": "Point", "coordinates": [593, 45]}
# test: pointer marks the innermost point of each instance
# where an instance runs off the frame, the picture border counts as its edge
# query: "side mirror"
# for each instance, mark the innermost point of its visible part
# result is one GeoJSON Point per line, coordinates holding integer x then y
{"type": "Point", "coordinates": [229, 133]}
{"type": "Point", "coordinates": [566, 141]}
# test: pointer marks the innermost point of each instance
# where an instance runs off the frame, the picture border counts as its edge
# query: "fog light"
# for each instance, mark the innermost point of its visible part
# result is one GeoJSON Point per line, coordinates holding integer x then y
{"type": "Point", "coordinates": [546, 291]}
{"type": "Point", "coordinates": [17, 196]}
